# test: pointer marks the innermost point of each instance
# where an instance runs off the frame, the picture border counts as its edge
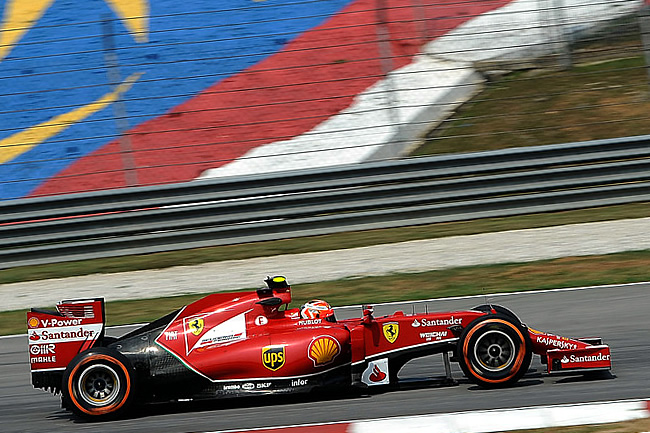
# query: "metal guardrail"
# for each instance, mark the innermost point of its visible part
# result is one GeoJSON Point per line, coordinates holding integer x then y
{"type": "Point", "coordinates": [337, 199]}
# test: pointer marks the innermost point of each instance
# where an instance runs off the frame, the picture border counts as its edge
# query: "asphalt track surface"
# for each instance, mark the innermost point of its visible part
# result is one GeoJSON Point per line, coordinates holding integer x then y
{"type": "Point", "coordinates": [619, 314]}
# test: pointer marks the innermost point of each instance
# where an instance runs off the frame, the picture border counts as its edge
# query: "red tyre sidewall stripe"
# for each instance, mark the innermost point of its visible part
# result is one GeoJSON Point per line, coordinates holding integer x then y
{"type": "Point", "coordinates": [518, 361]}
{"type": "Point", "coordinates": [104, 410]}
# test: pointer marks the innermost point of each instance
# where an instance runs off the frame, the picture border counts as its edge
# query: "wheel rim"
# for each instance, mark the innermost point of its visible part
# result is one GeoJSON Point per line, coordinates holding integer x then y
{"type": "Point", "coordinates": [494, 351]}
{"type": "Point", "coordinates": [99, 385]}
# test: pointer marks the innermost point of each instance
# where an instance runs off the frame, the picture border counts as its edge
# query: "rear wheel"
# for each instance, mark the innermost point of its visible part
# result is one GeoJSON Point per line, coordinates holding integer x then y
{"type": "Point", "coordinates": [98, 383]}
{"type": "Point", "coordinates": [494, 351]}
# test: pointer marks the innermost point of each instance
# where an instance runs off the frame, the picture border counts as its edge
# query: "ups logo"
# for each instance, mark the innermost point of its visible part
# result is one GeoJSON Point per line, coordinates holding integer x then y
{"type": "Point", "coordinates": [273, 357]}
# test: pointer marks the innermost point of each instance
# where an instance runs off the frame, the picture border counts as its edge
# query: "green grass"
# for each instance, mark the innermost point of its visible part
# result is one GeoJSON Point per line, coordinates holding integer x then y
{"type": "Point", "coordinates": [565, 272]}
{"type": "Point", "coordinates": [528, 108]}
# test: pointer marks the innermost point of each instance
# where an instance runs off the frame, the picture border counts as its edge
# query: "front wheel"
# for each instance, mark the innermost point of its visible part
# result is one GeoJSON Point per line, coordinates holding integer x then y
{"type": "Point", "coordinates": [98, 383]}
{"type": "Point", "coordinates": [494, 351]}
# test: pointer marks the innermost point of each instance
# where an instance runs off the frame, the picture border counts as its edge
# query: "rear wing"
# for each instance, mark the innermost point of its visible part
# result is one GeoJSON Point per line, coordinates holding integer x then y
{"type": "Point", "coordinates": [55, 337]}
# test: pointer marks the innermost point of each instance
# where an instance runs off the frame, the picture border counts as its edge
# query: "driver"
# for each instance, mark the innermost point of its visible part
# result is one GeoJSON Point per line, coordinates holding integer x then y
{"type": "Point", "coordinates": [317, 309]}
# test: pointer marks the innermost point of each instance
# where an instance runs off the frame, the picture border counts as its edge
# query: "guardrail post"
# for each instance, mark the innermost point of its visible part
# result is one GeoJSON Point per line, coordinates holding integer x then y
{"type": "Point", "coordinates": [386, 59]}
{"type": "Point", "coordinates": [644, 26]}
{"type": "Point", "coordinates": [552, 16]}
{"type": "Point", "coordinates": [119, 108]}
{"type": "Point", "coordinates": [421, 22]}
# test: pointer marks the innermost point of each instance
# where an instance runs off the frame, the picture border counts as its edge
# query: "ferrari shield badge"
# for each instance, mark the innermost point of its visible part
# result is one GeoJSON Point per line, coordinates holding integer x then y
{"type": "Point", "coordinates": [196, 326]}
{"type": "Point", "coordinates": [273, 357]}
{"type": "Point", "coordinates": [391, 331]}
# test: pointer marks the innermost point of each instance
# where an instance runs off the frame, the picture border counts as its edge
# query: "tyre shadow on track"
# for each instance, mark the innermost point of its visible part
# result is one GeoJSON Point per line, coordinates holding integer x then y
{"type": "Point", "coordinates": [139, 411]}
{"type": "Point", "coordinates": [589, 377]}
{"type": "Point", "coordinates": [238, 403]}
{"type": "Point", "coordinates": [532, 378]}
{"type": "Point", "coordinates": [520, 384]}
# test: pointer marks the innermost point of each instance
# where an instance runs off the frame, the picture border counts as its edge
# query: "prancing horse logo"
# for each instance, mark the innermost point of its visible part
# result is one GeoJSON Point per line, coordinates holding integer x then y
{"type": "Point", "coordinates": [196, 326]}
{"type": "Point", "coordinates": [391, 331]}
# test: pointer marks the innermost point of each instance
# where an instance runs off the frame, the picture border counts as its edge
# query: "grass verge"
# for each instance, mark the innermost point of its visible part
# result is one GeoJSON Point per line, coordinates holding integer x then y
{"type": "Point", "coordinates": [565, 272]}
{"type": "Point", "coordinates": [604, 100]}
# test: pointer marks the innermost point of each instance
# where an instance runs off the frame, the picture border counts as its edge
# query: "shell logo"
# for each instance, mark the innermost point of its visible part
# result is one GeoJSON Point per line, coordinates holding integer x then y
{"type": "Point", "coordinates": [323, 350]}
{"type": "Point", "coordinates": [34, 322]}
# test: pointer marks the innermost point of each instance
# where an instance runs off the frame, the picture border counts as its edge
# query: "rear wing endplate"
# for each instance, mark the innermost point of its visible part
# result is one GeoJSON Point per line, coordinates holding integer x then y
{"type": "Point", "coordinates": [55, 337]}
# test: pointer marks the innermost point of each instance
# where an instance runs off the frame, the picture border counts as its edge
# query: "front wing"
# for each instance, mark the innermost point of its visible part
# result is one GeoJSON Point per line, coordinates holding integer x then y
{"type": "Point", "coordinates": [570, 355]}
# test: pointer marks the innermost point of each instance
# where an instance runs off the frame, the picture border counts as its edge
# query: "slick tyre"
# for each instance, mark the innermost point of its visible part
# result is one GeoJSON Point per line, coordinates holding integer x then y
{"type": "Point", "coordinates": [494, 351]}
{"type": "Point", "coordinates": [98, 384]}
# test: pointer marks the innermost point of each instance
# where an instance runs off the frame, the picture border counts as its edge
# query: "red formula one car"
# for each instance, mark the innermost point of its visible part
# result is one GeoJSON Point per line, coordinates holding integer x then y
{"type": "Point", "coordinates": [244, 344]}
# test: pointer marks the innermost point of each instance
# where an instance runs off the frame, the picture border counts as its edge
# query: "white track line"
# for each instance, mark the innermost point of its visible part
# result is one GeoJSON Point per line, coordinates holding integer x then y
{"type": "Point", "coordinates": [494, 420]}
{"type": "Point", "coordinates": [510, 419]}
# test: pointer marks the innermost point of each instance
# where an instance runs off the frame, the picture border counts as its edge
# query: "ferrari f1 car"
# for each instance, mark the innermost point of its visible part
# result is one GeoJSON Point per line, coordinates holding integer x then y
{"type": "Point", "coordinates": [251, 343]}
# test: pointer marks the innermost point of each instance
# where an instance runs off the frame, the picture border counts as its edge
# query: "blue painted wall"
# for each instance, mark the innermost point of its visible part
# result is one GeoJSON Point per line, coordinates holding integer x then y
{"type": "Point", "coordinates": [59, 65]}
